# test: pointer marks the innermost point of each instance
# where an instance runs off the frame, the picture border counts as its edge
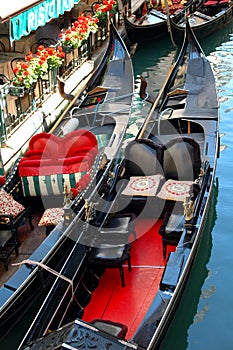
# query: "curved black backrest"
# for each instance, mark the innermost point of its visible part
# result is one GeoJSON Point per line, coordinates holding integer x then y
{"type": "Point", "coordinates": [46, 42]}
{"type": "Point", "coordinates": [181, 159]}
{"type": "Point", "coordinates": [142, 157]}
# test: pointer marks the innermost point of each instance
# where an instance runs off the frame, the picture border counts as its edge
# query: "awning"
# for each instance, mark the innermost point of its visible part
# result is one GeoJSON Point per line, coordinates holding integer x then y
{"type": "Point", "coordinates": [12, 7]}
{"type": "Point", "coordinates": [27, 15]}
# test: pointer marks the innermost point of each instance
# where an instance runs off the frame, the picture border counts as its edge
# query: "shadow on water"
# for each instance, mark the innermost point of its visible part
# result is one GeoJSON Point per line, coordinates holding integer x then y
{"type": "Point", "coordinates": [153, 61]}
{"type": "Point", "coordinates": [149, 54]}
{"type": "Point", "coordinates": [177, 335]}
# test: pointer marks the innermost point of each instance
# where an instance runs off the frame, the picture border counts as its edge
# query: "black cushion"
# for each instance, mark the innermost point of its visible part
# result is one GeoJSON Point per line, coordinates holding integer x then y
{"type": "Point", "coordinates": [181, 159]}
{"type": "Point", "coordinates": [172, 226]}
{"type": "Point", "coordinates": [109, 256]}
{"type": "Point", "coordinates": [142, 157]}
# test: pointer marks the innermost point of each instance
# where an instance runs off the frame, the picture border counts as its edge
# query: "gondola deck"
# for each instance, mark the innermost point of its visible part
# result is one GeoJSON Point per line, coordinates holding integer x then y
{"type": "Point", "coordinates": [110, 300]}
{"type": "Point", "coordinates": [102, 110]}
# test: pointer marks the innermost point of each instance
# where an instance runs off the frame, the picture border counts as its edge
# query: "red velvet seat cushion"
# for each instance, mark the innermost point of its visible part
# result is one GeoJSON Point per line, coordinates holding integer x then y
{"type": "Point", "coordinates": [36, 167]}
{"type": "Point", "coordinates": [68, 146]}
{"type": "Point", "coordinates": [210, 3]}
{"type": "Point", "coordinates": [52, 162]}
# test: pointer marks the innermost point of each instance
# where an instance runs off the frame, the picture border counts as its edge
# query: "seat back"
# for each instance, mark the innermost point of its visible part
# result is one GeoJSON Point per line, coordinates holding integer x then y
{"type": "Point", "coordinates": [142, 157]}
{"type": "Point", "coordinates": [52, 162]}
{"type": "Point", "coordinates": [181, 159]}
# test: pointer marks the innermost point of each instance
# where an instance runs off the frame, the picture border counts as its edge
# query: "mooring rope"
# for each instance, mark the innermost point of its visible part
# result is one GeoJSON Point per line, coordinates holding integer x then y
{"type": "Point", "coordinates": [54, 272]}
{"type": "Point", "coordinates": [47, 268]}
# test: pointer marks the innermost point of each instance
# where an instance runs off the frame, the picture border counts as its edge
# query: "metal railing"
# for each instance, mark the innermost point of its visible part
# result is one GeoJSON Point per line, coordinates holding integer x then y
{"type": "Point", "coordinates": [14, 110]}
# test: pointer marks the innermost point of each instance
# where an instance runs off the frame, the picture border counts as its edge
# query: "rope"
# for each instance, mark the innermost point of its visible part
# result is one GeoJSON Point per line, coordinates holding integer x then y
{"type": "Point", "coordinates": [47, 268]}
{"type": "Point", "coordinates": [146, 266]}
{"type": "Point", "coordinates": [169, 23]}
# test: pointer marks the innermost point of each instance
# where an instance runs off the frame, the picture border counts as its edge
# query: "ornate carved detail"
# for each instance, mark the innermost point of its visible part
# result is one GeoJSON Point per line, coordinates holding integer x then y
{"type": "Point", "coordinates": [79, 336]}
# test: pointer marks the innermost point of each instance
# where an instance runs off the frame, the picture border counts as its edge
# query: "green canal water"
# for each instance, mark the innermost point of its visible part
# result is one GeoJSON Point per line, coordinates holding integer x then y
{"type": "Point", "coordinates": [204, 319]}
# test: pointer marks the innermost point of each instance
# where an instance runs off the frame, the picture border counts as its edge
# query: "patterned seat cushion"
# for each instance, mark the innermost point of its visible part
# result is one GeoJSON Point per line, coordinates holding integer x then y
{"type": "Point", "coordinates": [51, 216]}
{"type": "Point", "coordinates": [8, 205]}
{"type": "Point", "coordinates": [175, 190]}
{"type": "Point", "coordinates": [143, 185]}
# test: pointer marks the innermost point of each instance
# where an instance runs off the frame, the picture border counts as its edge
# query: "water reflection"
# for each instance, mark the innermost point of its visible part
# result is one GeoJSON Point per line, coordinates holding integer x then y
{"type": "Point", "coordinates": [153, 61]}
{"type": "Point", "coordinates": [177, 336]}
{"type": "Point", "coordinates": [216, 39]}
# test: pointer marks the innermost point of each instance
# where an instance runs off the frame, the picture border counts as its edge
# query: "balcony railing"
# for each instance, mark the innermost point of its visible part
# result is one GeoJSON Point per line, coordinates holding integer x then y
{"type": "Point", "coordinates": [15, 109]}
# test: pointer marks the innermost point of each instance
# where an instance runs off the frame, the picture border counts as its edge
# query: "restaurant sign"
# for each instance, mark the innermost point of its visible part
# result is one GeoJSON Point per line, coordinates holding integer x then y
{"type": "Point", "coordinates": [37, 16]}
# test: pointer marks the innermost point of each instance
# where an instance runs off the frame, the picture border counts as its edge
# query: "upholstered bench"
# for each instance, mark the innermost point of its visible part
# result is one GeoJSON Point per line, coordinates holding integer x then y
{"type": "Point", "coordinates": [51, 162]}
{"type": "Point", "coordinates": [171, 230]}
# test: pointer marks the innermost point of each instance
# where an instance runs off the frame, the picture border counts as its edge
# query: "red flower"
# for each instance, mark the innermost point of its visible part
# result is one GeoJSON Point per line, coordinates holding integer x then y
{"type": "Point", "coordinates": [24, 65]}
{"type": "Point", "coordinates": [74, 192]}
{"type": "Point", "coordinates": [29, 57]}
{"type": "Point", "coordinates": [61, 54]}
{"type": "Point", "coordinates": [15, 70]}
{"type": "Point", "coordinates": [2, 180]}
{"type": "Point", "coordinates": [40, 48]}
{"type": "Point", "coordinates": [50, 51]}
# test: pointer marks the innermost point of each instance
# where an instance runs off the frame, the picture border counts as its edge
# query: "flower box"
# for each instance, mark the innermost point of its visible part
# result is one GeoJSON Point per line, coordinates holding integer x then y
{"type": "Point", "coordinates": [67, 48]}
{"type": "Point", "coordinates": [17, 91]}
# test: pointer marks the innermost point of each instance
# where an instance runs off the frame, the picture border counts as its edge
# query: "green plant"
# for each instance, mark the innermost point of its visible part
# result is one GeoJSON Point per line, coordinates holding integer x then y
{"type": "Point", "coordinates": [79, 31]}
{"type": "Point", "coordinates": [24, 75]}
{"type": "Point", "coordinates": [105, 9]}
{"type": "Point", "coordinates": [34, 67]}
{"type": "Point", "coordinates": [50, 57]}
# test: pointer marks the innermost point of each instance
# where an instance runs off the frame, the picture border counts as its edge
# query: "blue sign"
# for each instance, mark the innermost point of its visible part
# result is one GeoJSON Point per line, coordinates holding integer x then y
{"type": "Point", "coordinates": [39, 15]}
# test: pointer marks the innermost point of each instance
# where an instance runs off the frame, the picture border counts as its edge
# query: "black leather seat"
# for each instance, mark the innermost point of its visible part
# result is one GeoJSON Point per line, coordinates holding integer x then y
{"type": "Point", "coordinates": [181, 159]}
{"type": "Point", "coordinates": [111, 246]}
{"type": "Point", "coordinates": [142, 157]}
{"type": "Point", "coordinates": [143, 175]}
{"type": "Point", "coordinates": [181, 167]}
{"type": "Point", "coordinates": [117, 230]}
{"type": "Point", "coordinates": [171, 230]}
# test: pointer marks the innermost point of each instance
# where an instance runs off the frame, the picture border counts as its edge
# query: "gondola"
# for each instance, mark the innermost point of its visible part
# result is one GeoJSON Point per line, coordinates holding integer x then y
{"type": "Point", "coordinates": [56, 176]}
{"type": "Point", "coordinates": [148, 23]}
{"type": "Point", "coordinates": [142, 237]}
{"type": "Point", "coordinates": [204, 19]}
